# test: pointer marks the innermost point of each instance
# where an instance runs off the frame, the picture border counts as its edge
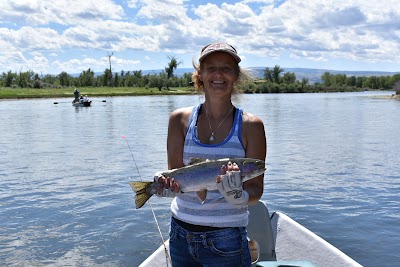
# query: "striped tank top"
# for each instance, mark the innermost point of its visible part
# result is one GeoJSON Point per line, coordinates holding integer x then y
{"type": "Point", "coordinates": [215, 211]}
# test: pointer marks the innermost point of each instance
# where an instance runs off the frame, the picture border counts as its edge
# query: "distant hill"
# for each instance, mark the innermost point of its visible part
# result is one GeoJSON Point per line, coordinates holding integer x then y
{"type": "Point", "coordinates": [313, 75]}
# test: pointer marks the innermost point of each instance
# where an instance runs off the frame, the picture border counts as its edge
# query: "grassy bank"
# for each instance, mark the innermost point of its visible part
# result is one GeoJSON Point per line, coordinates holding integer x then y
{"type": "Point", "coordinates": [20, 93]}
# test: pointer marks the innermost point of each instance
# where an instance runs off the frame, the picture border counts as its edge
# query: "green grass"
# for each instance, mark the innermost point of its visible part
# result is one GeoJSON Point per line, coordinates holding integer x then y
{"type": "Point", "coordinates": [18, 93]}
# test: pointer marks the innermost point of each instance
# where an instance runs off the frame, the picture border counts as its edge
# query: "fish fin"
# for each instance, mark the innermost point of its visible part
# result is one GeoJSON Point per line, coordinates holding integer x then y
{"type": "Point", "coordinates": [202, 195]}
{"type": "Point", "coordinates": [142, 195]}
{"type": "Point", "coordinates": [197, 160]}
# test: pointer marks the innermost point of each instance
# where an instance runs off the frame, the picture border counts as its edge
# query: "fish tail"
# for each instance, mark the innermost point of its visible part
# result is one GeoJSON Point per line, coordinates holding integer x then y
{"type": "Point", "coordinates": [142, 194]}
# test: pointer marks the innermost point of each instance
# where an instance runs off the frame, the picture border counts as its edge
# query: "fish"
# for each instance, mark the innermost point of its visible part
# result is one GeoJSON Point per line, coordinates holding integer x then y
{"type": "Point", "coordinates": [199, 176]}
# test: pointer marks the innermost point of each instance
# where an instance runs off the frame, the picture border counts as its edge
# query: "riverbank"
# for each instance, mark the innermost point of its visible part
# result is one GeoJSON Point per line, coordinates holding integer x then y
{"type": "Point", "coordinates": [24, 93]}
{"type": "Point", "coordinates": [395, 96]}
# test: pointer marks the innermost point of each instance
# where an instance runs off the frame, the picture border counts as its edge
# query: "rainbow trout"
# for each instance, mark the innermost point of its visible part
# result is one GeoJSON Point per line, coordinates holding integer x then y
{"type": "Point", "coordinates": [198, 176]}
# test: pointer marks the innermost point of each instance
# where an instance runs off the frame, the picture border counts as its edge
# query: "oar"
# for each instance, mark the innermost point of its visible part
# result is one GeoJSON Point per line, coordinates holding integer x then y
{"type": "Point", "coordinates": [55, 103]}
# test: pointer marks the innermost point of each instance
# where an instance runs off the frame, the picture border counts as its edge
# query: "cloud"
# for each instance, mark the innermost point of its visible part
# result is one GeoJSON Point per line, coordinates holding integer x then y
{"type": "Point", "coordinates": [100, 64]}
{"type": "Point", "coordinates": [63, 12]}
{"type": "Point", "coordinates": [314, 30]}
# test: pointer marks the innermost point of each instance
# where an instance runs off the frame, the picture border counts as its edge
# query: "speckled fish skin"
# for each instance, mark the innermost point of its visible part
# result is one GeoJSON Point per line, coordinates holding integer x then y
{"type": "Point", "coordinates": [199, 176]}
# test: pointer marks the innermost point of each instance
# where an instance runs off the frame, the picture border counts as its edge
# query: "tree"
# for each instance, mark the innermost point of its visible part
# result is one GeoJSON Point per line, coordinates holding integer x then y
{"type": "Point", "coordinates": [158, 81]}
{"type": "Point", "coordinates": [172, 65]}
{"type": "Point", "coordinates": [340, 79]}
{"type": "Point", "coordinates": [289, 77]}
{"type": "Point", "coordinates": [9, 78]}
{"type": "Point", "coordinates": [86, 78]}
{"type": "Point", "coordinates": [351, 81]}
{"type": "Point", "coordinates": [110, 74]}
{"type": "Point", "coordinates": [327, 78]}
{"type": "Point", "coordinates": [65, 79]}
{"type": "Point", "coordinates": [106, 77]}
{"type": "Point", "coordinates": [268, 75]}
{"type": "Point", "coordinates": [25, 78]}
{"type": "Point", "coordinates": [276, 72]}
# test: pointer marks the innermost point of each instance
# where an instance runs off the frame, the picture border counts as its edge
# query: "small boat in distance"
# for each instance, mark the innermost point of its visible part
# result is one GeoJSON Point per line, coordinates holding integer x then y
{"type": "Point", "coordinates": [82, 102]}
{"type": "Point", "coordinates": [280, 241]}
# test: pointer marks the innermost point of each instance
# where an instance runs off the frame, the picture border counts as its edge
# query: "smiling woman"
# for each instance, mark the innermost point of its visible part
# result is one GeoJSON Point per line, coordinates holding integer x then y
{"type": "Point", "coordinates": [227, 68]}
{"type": "Point", "coordinates": [214, 129]}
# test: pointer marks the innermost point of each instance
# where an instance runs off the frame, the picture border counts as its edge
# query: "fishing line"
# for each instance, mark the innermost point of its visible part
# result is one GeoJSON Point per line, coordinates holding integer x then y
{"type": "Point", "coordinates": [168, 258]}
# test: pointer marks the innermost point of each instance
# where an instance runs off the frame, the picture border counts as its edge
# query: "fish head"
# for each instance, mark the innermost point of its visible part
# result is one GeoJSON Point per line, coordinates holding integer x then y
{"type": "Point", "coordinates": [251, 168]}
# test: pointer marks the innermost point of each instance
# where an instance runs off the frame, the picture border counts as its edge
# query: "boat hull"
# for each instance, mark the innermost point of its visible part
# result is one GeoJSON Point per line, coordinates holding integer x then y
{"type": "Point", "coordinates": [82, 104]}
{"type": "Point", "coordinates": [280, 239]}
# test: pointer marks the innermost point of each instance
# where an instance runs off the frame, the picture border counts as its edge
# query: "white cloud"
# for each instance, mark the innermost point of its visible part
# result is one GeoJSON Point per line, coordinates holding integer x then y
{"type": "Point", "coordinates": [98, 65]}
{"type": "Point", "coordinates": [64, 12]}
{"type": "Point", "coordinates": [312, 30]}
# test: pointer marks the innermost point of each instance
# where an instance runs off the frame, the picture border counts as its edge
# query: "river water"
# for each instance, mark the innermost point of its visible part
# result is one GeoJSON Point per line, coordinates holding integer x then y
{"type": "Point", "coordinates": [333, 166]}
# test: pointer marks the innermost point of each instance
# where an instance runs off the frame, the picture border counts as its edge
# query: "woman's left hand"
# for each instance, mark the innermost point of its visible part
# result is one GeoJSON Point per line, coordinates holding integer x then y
{"type": "Point", "coordinates": [230, 185]}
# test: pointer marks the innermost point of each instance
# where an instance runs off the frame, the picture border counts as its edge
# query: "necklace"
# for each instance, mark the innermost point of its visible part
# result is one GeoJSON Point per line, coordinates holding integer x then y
{"type": "Point", "coordinates": [212, 139]}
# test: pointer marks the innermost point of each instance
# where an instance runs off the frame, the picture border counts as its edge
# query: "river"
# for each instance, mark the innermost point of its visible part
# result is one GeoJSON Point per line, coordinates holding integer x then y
{"type": "Point", "coordinates": [333, 166]}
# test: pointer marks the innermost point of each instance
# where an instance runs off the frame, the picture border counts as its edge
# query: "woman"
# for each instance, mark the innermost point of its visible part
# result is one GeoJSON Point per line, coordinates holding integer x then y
{"type": "Point", "coordinates": [213, 233]}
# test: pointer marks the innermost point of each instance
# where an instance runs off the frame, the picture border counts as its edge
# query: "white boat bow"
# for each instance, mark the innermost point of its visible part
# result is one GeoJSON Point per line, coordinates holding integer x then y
{"type": "Point", "coordinates": [282, 241]}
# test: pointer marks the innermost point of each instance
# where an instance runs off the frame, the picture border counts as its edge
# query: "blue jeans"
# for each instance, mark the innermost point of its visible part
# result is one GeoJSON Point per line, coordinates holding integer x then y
{"type": "Point", "coordinates": [225, 247]}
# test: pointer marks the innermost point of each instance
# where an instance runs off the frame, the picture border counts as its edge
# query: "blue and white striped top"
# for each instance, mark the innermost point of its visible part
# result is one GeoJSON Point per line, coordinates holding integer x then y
{"type": "Point", "coordinates": [215, 211]}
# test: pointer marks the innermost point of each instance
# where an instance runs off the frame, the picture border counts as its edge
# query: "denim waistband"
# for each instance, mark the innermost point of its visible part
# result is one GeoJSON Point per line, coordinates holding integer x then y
{"type": "Point", "coordinates": [215, 233]}
{"type": "Point", "coordinates": [196, 228]}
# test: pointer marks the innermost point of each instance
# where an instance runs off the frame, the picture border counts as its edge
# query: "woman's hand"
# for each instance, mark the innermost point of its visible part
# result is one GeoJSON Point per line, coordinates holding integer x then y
{"type": "Point", "coordinates": [230, 185]}
{"type": "Point", "coordinates": [167, 186]}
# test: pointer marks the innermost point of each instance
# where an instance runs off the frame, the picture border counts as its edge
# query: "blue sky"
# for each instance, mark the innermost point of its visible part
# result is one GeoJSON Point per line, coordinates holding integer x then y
{"type": "Point", "coordinates": [48, 36]}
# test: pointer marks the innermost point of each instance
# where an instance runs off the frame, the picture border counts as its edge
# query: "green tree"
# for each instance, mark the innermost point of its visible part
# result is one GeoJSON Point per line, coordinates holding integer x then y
{"type": "Point", "coordinates": [327, 78]}
{"type": "Point", "coordinates": [340, 79]}
{"type": "Point", "coordinates": [86, 78]}
{"type": "Point", "coordinates": [24, 79]}
{"type": "Point", "coordinates": [276, 73]}
{"type": "Point", "coordinates": [289, 78]}
{"type": "Point", "coordinates": [268, 75]}
{"type": "Point", "coordinates": [172, 65]}
{"type": "Point", "coordinates": [159, 81]}
{"type": "Point", "coordinates": [351, 81]}
{"type": "Point", "coordinates": [106, 78]}
{"type": "Point", "coordinates": [65, 79]}
{"type": "Point", "coordinates": [9, 78]}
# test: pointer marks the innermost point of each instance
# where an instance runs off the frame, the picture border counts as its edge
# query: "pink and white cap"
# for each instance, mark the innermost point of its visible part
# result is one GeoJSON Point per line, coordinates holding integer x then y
{"type": "Point", "coordinates": [219, 47]}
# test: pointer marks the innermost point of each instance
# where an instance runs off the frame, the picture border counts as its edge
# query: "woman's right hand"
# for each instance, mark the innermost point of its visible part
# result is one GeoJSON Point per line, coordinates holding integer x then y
{"type": "Point", "coordinates": [167, 186]}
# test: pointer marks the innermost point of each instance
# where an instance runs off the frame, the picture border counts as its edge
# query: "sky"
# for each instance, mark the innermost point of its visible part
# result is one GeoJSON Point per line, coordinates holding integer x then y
{"type": "Point", "coordinates": [52, 36]}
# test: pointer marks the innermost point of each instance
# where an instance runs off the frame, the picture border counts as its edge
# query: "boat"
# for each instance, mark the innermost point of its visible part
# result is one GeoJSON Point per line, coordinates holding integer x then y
{"type": "Point", "coordinates": [81, 103]}
{"type": "Point", "coordinates": [281, 242]}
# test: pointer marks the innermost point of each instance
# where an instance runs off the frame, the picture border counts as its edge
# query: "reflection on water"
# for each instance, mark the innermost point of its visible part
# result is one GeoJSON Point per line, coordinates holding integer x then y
{"type": "Point", "coordinates": [64, 173]}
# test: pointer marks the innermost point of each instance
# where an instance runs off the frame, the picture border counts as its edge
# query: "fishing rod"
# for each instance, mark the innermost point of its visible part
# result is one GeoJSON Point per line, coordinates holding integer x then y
{"type": "Point", "coordinates": [167, 256]}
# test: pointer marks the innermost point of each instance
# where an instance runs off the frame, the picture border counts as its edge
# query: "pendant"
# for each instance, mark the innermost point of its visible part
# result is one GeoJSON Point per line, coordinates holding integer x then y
{"type": "Point", "coordinates": [211, 139]}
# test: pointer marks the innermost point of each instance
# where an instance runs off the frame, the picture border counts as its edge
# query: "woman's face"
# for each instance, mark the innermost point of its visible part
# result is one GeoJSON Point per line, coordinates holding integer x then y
{"type": "Point", "coordinates": [219, 72]}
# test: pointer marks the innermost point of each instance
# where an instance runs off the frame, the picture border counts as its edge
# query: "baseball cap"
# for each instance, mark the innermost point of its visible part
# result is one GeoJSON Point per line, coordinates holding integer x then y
{"type": "Point", "coordinates": [219, 47]}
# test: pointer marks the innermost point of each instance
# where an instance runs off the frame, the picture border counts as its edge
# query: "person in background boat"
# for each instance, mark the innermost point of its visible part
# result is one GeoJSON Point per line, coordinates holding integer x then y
{"type": "Point", "coordinates": [86, 99]}
{"type": "Point", "coordinates": [213, 232]}
{"type": "Point", "coordinates": [76, 94]}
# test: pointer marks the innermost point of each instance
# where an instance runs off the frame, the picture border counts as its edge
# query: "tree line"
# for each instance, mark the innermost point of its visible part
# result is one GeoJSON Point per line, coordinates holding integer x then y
{"type": "Point", "coordinates": [275, 80]}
